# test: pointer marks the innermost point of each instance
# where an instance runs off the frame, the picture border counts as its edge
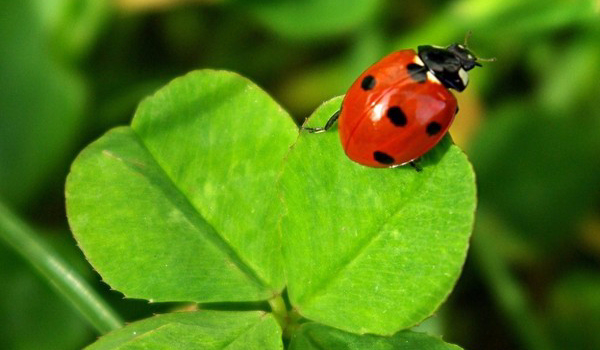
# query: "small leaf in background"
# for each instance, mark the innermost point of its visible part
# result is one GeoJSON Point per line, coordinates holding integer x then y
{"type": "Point", "coordinates": [182, 205]}
{"type": "Point", "coordinates": [197, 330]}
{"type": "Point", "coordinates": [74, 24]}
{"type": "Point", "coordinates": [575, 309]}
{"type": "Point", "coordinates": [538, 170]}
{"type": "Point", "coordinates": [316, 336]}
{"type": "Point", "coordinates": [372, 250]}
{"type": "Point", "coordinates": [563, 91]}
{"type": "Point", "coordinates": [313, 18]}
{"type": "Point", "coordinates": [41, 105]}
{"type": "Point", "coordinates": [308, 87]}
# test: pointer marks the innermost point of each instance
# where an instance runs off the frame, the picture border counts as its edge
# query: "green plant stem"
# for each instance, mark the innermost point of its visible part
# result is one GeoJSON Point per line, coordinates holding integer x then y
{"type": "Point", "coordinates": [509, 296]}
{"type": "Point", "coordinates": [279, 310]}
{"type": "Point", "coordinates": [289, 320]}
{"type": "Point", "coordinates": [53, 268]}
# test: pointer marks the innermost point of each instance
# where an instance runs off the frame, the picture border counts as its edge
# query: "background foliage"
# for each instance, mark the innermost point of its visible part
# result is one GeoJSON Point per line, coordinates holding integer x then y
{"type": "Point", "coordinates": [530, 123]}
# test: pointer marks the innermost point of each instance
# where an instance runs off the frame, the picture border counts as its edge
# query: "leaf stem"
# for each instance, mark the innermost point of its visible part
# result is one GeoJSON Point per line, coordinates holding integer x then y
{"type": "Point", "coordinates": [55, 270]}
{"type": "Point", "coordinates": [289, 320]}
{"type": "Point", "coordinates": [279, 310]}
{"type": "Point", "coordinates": [509, 295]}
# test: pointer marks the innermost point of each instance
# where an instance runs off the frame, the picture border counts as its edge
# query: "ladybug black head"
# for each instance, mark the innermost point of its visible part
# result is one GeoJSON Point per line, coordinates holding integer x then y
{"type": "Point", "coordinates": [449, 65]}
{"type": "Point", "coordinates": [467, 60]}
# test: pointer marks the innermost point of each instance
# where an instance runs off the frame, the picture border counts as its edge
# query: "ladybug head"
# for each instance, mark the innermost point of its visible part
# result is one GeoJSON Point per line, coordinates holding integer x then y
{"type": "Point", "coordinates": [449, 65]}
{"type": "Point", "coordinates": [467, 59]}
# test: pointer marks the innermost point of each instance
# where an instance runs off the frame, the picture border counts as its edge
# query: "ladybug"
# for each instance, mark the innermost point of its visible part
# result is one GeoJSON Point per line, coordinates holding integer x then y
{"type": "Point", "coordinates": [401, 106]}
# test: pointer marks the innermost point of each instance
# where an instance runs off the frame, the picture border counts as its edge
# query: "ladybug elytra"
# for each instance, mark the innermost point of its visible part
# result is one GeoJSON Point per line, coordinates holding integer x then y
{"type": "Point", "coordinates": [401, 107]}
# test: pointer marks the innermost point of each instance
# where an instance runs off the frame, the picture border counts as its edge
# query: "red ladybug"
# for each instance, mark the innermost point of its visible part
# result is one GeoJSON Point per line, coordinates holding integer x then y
{"type": "Point", "coordinates": [401, 106]}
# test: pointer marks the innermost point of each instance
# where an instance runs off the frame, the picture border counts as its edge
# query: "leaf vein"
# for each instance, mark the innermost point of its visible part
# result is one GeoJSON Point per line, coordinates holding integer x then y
{"type": "Point", "coordinates": [327, 281]}
{"type": "Point", "coordinates": [193, 215]}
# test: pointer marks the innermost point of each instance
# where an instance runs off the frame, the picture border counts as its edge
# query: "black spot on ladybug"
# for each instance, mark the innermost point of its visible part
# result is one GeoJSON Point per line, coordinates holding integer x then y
{"type": "Point", "coordinates": [383, 158]}
{"type": "Point", "coordinates": [433, 128]}
{"type": "Point", "coordinates": [396, 116]}
{"type": "Point", "coordinates": [417, 72]}
{"type": "Point", "coordinates": [368, 82]}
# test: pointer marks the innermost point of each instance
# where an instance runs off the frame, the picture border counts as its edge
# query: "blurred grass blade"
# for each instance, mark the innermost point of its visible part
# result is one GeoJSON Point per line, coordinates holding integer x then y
{"type": "Point", "coordinates": [53, 268]}
{"type": "Point", "coordinates": [314, 19]}
{"type": "Point", "coordinates": [506, 291]}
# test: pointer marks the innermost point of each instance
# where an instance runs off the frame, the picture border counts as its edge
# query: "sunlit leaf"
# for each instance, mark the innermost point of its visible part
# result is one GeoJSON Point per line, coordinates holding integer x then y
{"type": "Point", "coordinates": [197, 330]}
{"type": "Point", "coordinates": [182, 205]}
{"type": "Point", "coordinates": [316, 336]}
{"type": "Point", "coordinates": [372, 250]}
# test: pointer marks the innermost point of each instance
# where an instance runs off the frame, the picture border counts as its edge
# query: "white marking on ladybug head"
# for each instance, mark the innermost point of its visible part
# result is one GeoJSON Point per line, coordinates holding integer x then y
{"type": "Point", "coordinates": [418, 61]}
{"type": "Point", "coordinates": [432, 79]}
{"type": "Point", "coordinates": [464, 76]}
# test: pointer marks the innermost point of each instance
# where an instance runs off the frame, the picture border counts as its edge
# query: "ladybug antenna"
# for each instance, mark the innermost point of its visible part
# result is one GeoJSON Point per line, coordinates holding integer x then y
{"type": "Point", "coordinates": [491, 59]}
{"type": "Point", "coordinates": [467, 37]}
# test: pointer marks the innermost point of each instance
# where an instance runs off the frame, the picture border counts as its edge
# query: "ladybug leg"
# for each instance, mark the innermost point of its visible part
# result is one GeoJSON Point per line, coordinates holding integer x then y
{"type": "Point", "coordinates": [415, 164]}
{"type": "Point", "coordinates": [327, 126]}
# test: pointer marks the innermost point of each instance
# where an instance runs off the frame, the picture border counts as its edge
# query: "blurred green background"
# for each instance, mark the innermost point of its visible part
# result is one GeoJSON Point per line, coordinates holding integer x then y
{"type": "Point", "coordinates": [530, 123]}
